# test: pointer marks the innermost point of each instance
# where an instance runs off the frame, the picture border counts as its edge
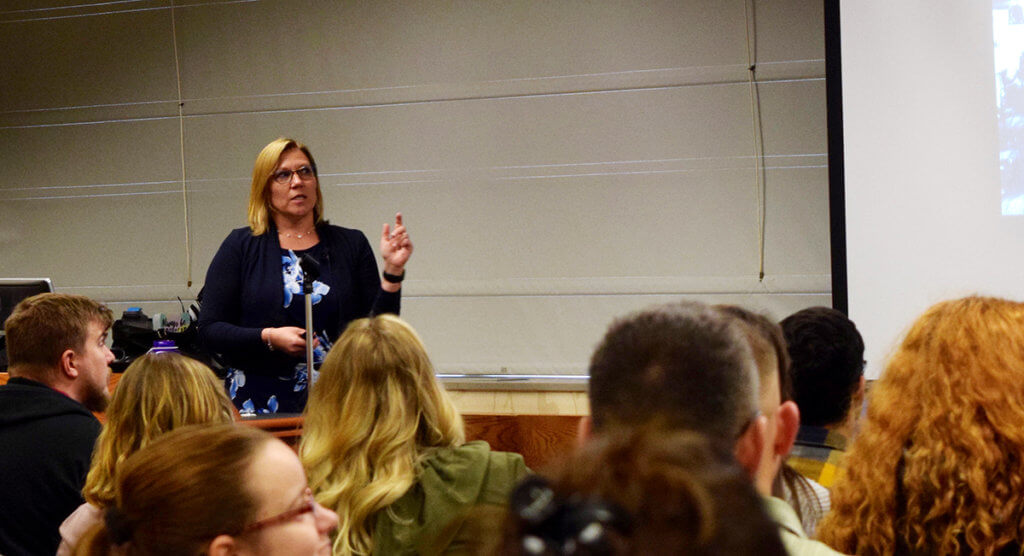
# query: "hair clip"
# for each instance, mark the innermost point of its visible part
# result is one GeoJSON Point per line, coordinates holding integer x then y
{"type": "Point", "coordinates": [551, 524]}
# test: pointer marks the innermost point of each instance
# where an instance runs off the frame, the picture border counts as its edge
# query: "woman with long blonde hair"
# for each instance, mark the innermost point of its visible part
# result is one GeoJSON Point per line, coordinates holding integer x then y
{"type": "Point", "coordinates": [158, 392]}
{"type": "Point", "coordinates": [938, 466]}
{"type": "Point", "coordinates": [384, 447]}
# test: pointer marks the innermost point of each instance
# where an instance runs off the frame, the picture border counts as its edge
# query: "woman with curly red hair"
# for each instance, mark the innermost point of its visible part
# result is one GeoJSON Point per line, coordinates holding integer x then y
{"type": "Point", "coordinates": [938, 467]}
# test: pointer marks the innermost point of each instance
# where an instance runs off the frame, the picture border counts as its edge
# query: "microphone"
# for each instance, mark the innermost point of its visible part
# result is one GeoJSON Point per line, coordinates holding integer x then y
{"type": "Point", "coordinates": [310, 271]}
{"type": "Point", "coordinates": [310, 268]}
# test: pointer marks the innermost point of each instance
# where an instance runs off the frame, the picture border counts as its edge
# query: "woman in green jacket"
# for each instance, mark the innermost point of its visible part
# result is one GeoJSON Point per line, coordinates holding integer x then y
{"type": "Point", "coordinates": [384, 447]}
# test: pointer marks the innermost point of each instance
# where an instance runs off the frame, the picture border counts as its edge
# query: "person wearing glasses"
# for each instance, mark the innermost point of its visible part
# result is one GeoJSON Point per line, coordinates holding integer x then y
{"type": "Point", "coordinates": [213, 489]}
{"type": "Point", "coordinates": [809, 499]}
{"type": "Point", "coordinates": [699, 368]}
{"type": "Point", "coordinates": [253, 311]}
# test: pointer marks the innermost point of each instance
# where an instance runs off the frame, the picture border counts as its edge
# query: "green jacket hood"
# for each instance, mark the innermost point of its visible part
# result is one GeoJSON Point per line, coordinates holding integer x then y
{"type": "Point", "coordinates": [455, 490]}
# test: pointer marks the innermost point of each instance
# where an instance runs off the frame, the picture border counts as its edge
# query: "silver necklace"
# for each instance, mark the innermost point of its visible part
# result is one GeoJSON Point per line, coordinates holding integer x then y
{"type": "Point", "coordinates": [297, 236]}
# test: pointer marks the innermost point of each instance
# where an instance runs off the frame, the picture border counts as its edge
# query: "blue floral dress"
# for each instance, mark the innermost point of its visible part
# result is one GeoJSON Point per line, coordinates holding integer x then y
{"type": "Point", "coordinates": [287, 393]}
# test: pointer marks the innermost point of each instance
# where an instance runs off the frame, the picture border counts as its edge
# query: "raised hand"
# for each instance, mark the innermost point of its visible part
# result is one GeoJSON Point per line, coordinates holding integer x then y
{"type": "Point", "coordinates": [395, 246]}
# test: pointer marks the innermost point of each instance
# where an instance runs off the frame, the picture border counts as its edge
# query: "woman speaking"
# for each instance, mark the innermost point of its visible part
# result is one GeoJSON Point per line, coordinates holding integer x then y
{"type": "Point", "coordinates": [253, 312]}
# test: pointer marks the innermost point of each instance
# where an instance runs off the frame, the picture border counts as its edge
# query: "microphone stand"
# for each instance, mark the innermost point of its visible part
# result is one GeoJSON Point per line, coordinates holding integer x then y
{"type": "Point", "coordinates": [310, 272]}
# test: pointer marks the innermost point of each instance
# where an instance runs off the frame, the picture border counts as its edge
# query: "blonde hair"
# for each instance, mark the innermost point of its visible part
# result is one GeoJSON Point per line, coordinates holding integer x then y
{"type": "Point", "coordinates": [263, 171]}
{"type": "Point", "coordinates": [157, 393]}
{"type": "Point", "coordinates": [177, 494]}
{"type": "Point", "coordinates": [375, 412]}
{"type": "Point", "coordinates": [938, 466]}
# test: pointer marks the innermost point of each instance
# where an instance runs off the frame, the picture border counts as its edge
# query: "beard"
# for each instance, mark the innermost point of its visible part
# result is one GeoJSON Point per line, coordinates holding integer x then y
{"type": "Point", "coordinates": [96, 397]}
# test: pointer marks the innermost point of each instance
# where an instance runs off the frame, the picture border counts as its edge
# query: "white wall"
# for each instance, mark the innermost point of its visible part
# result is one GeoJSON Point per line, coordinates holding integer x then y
{"type": "Point", "coordinates": [558, 163]}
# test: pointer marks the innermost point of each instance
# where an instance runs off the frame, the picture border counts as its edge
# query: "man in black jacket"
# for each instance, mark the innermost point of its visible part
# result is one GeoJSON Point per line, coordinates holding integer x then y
{"type": "Point", "coordinates": [59, 368]}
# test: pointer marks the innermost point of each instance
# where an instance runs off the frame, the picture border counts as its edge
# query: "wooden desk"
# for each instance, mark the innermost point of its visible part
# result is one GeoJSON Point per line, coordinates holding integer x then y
{"type": "Point", "coordinates": [541, 424]}
{"type": "Point", "coordinates": [541, 438]}
{"type": "Point", "coordinates": [286, 427]}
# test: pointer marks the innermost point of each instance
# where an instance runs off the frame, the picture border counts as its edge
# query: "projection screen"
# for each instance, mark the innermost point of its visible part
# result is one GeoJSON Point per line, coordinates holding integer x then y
{"type": "Point", "coordinates": [933, 125]}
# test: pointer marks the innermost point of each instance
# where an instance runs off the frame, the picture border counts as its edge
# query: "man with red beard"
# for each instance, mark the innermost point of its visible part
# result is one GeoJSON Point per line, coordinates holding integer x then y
{"type": "Point", "coordinates": [59, 369]}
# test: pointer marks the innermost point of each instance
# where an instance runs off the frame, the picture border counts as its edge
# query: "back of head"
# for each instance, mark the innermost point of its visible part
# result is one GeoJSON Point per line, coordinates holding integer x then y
{"type": "Point", "coordinates": [179, 492]}
{"type": "Point", "coordinates": [939, 460]}
{"type": "Point", "coordinates": [683, 365]}
{"type": "Point", "coordinates": [375, 410]}
{"type": "Point", "coordinates": [631, 492]}
{"type": "Point", "coordinates": [827, 354]}
{"type": "Point", "coordinates": [43, 326]}
{"type": "Point", "coordinates": [378, 378]}
{"type": "Point", "coordinates": [773, 364]}
{"type": "Point", "coordinates": [768, 345]}
{"type": "Point", "coordinates": [159, 392]}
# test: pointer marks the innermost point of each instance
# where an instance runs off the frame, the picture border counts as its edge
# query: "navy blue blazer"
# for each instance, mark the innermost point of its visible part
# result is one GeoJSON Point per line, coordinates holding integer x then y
{"type": "Point", "coordinates": [244, 293]}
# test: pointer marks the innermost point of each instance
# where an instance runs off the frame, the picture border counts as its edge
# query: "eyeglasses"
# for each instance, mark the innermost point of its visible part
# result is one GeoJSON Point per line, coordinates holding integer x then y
{"type": "Point", "coordinates": [285, 176]}
{"type": "Point", "coordinates": [308, 506]}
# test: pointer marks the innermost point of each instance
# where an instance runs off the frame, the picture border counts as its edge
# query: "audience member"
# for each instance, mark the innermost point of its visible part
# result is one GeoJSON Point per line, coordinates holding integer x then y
{"type": "Point", "coordinates": [212, 489]}
{"type": "Point", "coordinates": [808, 498]}
{"type": "Point", "coordinates": [158, 392]}
{"type": "Point", "coordinates": [59, 368]}
{"type": "Point", "coordinates": [636, 493]}
{"type": "Point", "coordinates": [384, 446]}
{"type": "Point", "coordinates": [828, 384]}
{"type": "Point", "coordinates": [938, 463]}
{"type": "Point", "coordinates": [690, 366]}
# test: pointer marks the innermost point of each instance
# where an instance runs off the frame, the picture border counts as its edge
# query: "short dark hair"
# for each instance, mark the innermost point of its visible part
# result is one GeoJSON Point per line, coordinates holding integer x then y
{"type": "Point", "coordinates": [827, 354]}
{"type": "Point", "coordinates": [653, 493]}
{"type": "Point", "coordinates": [765, 338]}
{"type": "Point", "coordinates": [683, 365]}
{"type": "Point", "coordinates": [43, 326]}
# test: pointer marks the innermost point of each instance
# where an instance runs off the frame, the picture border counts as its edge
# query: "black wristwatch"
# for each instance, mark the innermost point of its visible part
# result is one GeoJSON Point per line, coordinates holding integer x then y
{"type": "Point", "coordinates": [394, 279]}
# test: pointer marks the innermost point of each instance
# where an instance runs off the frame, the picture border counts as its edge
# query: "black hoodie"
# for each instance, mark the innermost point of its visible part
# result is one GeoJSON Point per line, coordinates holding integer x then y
{"type": "Point", "coordinates": [46, 442]}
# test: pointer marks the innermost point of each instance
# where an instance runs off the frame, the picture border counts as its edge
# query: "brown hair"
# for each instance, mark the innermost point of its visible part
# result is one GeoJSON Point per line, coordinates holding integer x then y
{"type": "Point", "coordinates": [180, 492]}
{"type": "Point", "coordinates": [938, 464]}
{"type": "Point", "coordinates": [43, 326]}
{"type": "Point", "coordinates": [767, 341]}
{"type": "Point", "coordinates": [263, 171]}
{"type": "Point", "coordinates": [769, 346]}
{"type": "Point", "coordinates": [159, 392]}
{"type": "Point", "coordinates": [683, 364]}
{"type": "Point", "coordinates": [658, 493]}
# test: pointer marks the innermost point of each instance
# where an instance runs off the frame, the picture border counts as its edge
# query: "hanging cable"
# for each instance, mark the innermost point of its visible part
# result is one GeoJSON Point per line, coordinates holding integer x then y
{"type": "Point", "coordinates": [757, 131]}
{"type": "Point", "coordinates": [181, 138]}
